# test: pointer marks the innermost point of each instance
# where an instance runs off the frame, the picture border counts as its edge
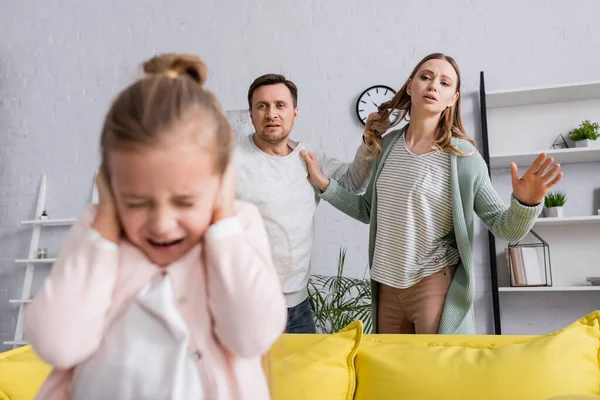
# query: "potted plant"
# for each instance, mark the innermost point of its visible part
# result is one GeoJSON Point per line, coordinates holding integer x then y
{"type": "Point", "coordinates": [339, 300]}
{"type": "Point", "coordinates": [586, 134]}
{"type": "Point", "coordinates": [553, 204]}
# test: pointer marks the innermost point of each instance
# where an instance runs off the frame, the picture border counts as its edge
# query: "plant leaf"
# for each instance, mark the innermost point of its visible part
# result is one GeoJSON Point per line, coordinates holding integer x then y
{"type": "Point", "coordinates": [339, 300]}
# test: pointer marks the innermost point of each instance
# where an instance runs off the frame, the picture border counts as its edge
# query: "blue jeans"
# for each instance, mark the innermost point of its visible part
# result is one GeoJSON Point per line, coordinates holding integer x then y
{"type": "Point", "coordinates": [301, 319]}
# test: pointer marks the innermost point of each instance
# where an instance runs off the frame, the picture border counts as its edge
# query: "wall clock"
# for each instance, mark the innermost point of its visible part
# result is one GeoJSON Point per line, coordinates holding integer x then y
{"type": "Point", "coordinates": [369, 101]}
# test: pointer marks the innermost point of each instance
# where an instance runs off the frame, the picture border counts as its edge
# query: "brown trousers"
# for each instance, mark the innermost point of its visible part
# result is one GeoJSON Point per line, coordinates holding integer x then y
{"type": "Point", "coordinates": [417, 309]}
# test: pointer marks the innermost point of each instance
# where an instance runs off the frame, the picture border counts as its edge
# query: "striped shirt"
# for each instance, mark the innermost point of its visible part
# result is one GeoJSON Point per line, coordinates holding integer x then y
{"type": "Point", "coordinates": [415, 234]}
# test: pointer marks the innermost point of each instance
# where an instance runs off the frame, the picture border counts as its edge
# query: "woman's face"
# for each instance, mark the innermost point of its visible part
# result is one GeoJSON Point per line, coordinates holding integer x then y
{"type": "Point", "coordinates": [434, 87]}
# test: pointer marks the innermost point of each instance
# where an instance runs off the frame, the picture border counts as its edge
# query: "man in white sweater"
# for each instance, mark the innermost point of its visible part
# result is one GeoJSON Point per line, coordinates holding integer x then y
{"type": "Point", "coordinates": [272, 174]}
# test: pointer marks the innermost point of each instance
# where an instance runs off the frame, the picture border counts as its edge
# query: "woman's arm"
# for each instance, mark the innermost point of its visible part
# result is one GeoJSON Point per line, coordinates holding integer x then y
{"type": "Point", "coordinates": [510, 223]}
{"type": "Point", "coordinates": [353, 176]}
{"type": "Point", "coordinates": [357, 206]}
{"type": "Point", "coordinates": [514, 222]}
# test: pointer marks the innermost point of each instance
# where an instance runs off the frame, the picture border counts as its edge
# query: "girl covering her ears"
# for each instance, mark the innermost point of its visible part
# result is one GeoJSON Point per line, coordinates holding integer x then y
{"type": "Point", "coordinates": [427, 185]}
{"type": "Point", "coordinates": [165, 289]}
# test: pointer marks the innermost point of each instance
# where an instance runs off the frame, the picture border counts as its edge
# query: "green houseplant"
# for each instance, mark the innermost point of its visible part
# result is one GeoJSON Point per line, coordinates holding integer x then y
{"type": "Point", "coordinates": [339, 300]}
{"type": "Point", "coordinates": [586, 135]}
{"type": "Point", "coordinates": [554, 203]}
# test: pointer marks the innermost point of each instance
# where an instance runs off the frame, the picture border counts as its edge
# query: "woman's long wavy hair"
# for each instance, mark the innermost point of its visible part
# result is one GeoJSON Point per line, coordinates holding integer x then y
{"type": "Point", "coordinates": [450, 124]}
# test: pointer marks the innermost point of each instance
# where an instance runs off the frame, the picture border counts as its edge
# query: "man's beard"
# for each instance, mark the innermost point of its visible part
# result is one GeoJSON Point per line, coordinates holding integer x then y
{"type": "Point", "coordinates": [271, 140]}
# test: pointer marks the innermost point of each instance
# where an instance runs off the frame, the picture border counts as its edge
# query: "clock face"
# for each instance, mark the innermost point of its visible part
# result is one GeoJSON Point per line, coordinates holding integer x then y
{"type": "Point", "coordinates": [369, 101]}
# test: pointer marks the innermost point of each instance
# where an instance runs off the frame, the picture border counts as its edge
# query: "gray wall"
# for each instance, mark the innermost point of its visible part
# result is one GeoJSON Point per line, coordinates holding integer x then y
{"type": "Point", "coordinates": [61, 62]}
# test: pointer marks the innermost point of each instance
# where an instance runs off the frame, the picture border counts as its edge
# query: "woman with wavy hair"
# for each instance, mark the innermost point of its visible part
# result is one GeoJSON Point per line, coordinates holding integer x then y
{"type": "Point", "coordinates": [428, 183]}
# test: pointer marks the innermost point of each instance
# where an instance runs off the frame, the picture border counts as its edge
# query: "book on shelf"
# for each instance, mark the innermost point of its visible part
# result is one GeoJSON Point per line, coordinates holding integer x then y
{"type": "Point", "coordinates": [594, 280]}
{"type": "Point", "coordinates": [524, 266]}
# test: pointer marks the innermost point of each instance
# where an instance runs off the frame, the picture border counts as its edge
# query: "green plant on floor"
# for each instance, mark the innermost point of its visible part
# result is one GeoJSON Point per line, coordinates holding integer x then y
{"type": "Point", "coordinates": [555, 199]}
{"type": "Point", "coordinates": [587, 130]}
{"type": "Point", "coordinates": [339, 300]}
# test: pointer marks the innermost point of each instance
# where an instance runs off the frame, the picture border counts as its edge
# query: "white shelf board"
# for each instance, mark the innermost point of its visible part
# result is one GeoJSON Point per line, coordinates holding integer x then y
{"type": "Point", "coordinates": [50, 222]}
{"type": "Point", "coordinates": [561, 156]}
{"type": "Point", "coordinates": [16, 342]}
{"type": "Point", "coordinates": [591, 219]}
{"type": "Point", "coordinates": [582, 288]}
{"type": "Point", "coordinates": [19, 301]}
{"type": "Point", "coordinates": [543, 95]}
{"type": "Point", "coordinates": [35, 261]}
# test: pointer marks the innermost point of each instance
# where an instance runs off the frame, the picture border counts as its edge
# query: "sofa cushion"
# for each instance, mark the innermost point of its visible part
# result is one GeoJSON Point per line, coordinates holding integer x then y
{"type": "Point", "coordinates": [452, 367]}
{"type": "Point", "coordinates": [21, 374]}
{"type": "Point", "coordinates": [322, 368]}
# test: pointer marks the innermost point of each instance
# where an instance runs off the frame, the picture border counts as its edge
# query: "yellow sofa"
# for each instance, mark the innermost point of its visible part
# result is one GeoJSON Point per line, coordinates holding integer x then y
{"type": "Point", "coordinates": [349, 365]}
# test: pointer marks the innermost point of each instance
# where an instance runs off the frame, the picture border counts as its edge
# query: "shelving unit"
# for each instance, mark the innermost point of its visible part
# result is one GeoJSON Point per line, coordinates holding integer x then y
{"type": "Point", "coordinates": [588, 288]}
{"type": "Point", "coordinates": [561, 156]}
{"type": "Point", "coordinates": [593, 219]}
{"type": "Point", "coordinates": [15, 343]}
{"type": "Point", "coordinates": [31, 262]}
{"type": "Point", "coordinates": [542, 95]}
{"type": "Point", "coordinates": [35, 261]}
{"type": "Point", "coordinates": [19, 301]}
{"type": "Point", "coordinates": [50, 222]}
{"type": "Point", "coordinates": [518, 125]}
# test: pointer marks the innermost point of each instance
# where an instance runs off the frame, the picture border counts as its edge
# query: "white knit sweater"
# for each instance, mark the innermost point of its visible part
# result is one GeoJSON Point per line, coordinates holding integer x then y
{"type": "Point", "coordinates": [279, 187]}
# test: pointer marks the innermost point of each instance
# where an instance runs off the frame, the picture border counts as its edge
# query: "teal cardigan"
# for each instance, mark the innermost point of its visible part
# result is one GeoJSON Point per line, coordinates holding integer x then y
{"type": "Point", "coordinates": [472, 193]}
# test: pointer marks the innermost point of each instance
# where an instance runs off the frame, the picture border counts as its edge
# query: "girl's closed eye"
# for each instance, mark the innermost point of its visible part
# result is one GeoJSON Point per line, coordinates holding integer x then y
{"type": "Point", "coordinates": [137, 205]}
{"type": "Point", "coordinates": [184, 203]}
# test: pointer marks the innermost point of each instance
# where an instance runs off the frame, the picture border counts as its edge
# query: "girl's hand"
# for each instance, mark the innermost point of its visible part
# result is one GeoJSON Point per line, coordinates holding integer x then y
{"type": "Point", "coordinates": [106, 222]}
{"type": "Point", "coordinates": [531, 189]}
{"type": "Point", "coordinates": [315, 176]}
{"type": "Point", "coordinates": [225, 203]}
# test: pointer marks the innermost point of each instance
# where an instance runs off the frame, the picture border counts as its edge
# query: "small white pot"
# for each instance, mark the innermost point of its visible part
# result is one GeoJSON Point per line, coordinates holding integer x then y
{"type": "Point", "coordinates": [587, 143]}
{"type": "Point", "coordinates": [553, 212]}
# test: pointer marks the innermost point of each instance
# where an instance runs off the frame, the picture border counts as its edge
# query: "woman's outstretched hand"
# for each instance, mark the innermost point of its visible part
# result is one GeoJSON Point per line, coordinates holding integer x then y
{"type": "Point", "coordinates": [533, 186]}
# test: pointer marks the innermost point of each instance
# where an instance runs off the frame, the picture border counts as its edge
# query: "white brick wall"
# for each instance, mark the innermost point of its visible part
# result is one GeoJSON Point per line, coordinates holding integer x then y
{"type": "Point", "coordinates": [61, 62]}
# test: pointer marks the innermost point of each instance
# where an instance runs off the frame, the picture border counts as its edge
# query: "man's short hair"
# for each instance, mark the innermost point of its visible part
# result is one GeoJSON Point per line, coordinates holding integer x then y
{"type": "Point", "coordinates": [272, 79]}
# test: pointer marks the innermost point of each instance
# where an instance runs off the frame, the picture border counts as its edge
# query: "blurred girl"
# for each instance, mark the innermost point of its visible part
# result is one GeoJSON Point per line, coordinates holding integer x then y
{"type": "Point", "coordinates": [166, 288]}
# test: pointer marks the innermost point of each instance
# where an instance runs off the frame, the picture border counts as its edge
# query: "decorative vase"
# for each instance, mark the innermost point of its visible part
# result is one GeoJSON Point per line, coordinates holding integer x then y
{"type": "Point", "coordinates": [586, 143]}
{"type": "Point", "coordinates": [553, 212]}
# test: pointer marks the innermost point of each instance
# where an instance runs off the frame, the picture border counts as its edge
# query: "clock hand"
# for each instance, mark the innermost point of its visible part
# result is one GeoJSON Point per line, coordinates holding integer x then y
{"type": "Point", "coordinates": [375, 104]}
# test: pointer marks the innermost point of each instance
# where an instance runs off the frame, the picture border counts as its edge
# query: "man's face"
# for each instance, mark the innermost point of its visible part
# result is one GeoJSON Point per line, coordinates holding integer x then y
{"type": "Point", "coordinates": [273, 112]}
